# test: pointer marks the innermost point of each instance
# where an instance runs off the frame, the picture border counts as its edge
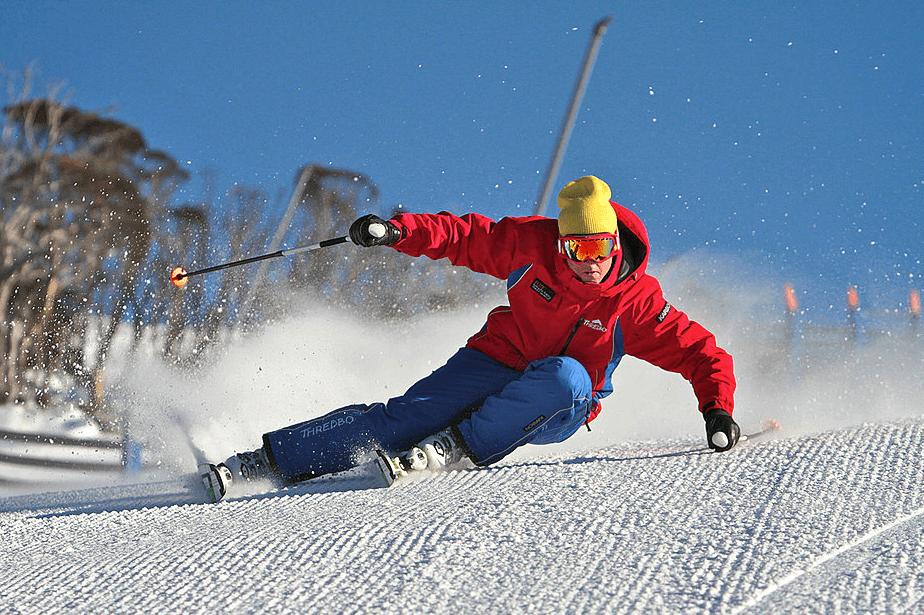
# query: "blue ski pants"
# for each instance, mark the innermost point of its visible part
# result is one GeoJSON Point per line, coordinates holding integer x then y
{"type": "Point", "coordinates": [495, 409]}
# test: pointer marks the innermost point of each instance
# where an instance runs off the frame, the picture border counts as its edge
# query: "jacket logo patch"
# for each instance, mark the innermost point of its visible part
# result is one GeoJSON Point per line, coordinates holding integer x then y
{"type": "Point", "coordinates": [595, 324]}
{"type": "Point", "coordinates": [664, 312]}
{"type": "Point", "coordinates": [534, 424]}
{"type": "Point", "coordinates": [542, 289]}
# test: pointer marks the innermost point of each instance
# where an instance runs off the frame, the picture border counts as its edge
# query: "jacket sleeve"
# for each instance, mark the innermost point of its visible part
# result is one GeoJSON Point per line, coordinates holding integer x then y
{"type": "Point", "coordinates": [662, 335]}
{"type": "Point", "coordinates": [473, 241]}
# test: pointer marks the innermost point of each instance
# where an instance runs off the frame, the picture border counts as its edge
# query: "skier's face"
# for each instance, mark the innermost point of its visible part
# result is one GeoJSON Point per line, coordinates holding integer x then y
{"type": "Point", "coordinates": [590, 257]}
{"type": "Point", "coordinates": [591, 271]}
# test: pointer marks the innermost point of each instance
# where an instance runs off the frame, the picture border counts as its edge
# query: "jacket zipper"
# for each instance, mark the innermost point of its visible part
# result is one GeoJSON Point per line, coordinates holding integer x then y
{"type": "Point", "coordinates": [571, 336]}
{"type": "Point", "coordinates": [564, 349]}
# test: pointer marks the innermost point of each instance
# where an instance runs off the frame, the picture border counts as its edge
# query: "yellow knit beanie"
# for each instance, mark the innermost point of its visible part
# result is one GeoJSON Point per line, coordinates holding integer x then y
{"type": "Point", "coordinates": [585, 208]}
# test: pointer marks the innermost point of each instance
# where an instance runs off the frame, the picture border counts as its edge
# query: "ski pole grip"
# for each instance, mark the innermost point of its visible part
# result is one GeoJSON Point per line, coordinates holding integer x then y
{"type": "Point", "coordinates": [377, 230]}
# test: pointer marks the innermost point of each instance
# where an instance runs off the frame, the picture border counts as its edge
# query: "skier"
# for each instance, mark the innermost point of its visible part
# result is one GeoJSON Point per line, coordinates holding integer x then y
{"type": "Point", "coordinates": [579, 300]}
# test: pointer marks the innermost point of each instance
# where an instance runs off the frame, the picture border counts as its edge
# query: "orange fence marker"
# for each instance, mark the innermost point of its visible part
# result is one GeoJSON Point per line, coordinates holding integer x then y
{"type": "Point", "coordinates": [853, 299]}
{"type": "Point", "coordinates": [792, 302]}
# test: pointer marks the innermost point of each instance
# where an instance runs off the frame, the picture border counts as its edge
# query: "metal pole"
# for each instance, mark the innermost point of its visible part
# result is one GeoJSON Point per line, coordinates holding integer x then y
{"type": "Point", "coordinates": [568, 124]}
{"type": "Point", "coordinates": [296, 198]}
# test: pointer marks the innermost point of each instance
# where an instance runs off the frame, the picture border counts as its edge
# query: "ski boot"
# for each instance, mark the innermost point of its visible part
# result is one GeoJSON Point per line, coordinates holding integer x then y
{"type": "Point", "coordinates": [441, 450]}
{"type": "Point", "coordinates": [216, 478]}
{"type": "Point", "coordinates": [433, 453]}
{"type": "Point", "coordinates": [242, 467]}
{"type": "Point", "coordinates": [390, 467]}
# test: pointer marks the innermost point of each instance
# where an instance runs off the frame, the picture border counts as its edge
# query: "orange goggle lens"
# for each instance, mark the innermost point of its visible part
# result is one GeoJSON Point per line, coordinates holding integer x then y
{"type": "Point", "coordinates": [594, 247]}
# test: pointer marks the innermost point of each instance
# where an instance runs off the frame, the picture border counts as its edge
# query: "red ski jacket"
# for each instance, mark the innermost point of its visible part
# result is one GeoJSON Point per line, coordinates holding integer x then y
{"type": "Point", "coordinates": [553, 313]}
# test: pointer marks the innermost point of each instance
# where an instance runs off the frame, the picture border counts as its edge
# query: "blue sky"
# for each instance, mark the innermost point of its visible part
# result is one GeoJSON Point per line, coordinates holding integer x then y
{"type": "Point", "coordinates": [790, 136]}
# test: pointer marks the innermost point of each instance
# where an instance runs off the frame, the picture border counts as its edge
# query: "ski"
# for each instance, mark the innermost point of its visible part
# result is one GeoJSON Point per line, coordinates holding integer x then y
{"type": "Point", "coordinates": [381, 471]}
{"type": "Point", "coordinates": [217, 480]}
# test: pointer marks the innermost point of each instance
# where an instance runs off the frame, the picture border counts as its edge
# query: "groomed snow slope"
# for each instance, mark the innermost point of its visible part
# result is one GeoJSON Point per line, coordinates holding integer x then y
{"type": "Point", "coordinates": [825, 523]}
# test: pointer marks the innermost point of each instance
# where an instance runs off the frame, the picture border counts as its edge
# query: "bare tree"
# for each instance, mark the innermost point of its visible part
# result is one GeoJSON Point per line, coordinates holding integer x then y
{"type": "Point", "coordinates": [78, 197]}
{"type": "Point", "coordinates": [89, 233]}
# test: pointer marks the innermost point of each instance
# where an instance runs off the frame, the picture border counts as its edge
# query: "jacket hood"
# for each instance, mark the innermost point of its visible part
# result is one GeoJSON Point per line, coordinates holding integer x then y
{"type": "Point", "coordinates": [633, 238]}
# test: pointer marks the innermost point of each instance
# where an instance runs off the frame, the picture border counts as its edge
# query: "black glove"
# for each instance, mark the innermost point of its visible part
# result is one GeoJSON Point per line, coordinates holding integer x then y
{"type": "Point", "coordinates": [719, 421]}
{"type": "Point", "coordinates": [359, 232]}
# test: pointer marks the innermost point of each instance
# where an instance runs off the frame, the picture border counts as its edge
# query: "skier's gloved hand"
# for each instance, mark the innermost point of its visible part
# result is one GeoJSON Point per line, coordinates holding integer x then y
{"type": "Point", "coordinates": [362, 235]}
{"type": "Point", "coordinates": [722, 432]}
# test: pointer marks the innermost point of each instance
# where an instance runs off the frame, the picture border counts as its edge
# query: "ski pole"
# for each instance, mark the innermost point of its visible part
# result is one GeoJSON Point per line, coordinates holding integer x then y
{"type": "Point", "coordinates": [721, 440]}
{"type": "Point", "coordinates": [768, 427]}
{"type": "Point", "coordinates": [180, 276]}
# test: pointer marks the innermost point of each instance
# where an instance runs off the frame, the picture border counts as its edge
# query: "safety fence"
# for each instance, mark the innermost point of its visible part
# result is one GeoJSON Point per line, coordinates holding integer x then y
{"type": "Point", "coordinates": [901, 325]}
{"type": "Point", "coordinates": [799, 348]}
{"type": "Point", "coordinates": [36, 458]}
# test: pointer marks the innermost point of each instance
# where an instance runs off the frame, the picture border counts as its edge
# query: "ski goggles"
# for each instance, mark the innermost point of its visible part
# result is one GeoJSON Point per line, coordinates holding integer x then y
{"type": "Point", "coordinates": [580, 248]}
